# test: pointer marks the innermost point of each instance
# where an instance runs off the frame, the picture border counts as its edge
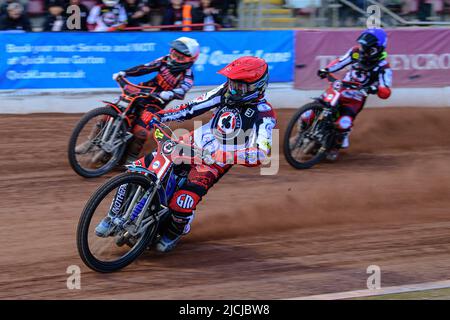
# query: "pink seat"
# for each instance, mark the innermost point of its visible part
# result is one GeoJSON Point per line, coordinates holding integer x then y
{"type": "Point", "coordinates": [89, 3]}
{"type": "Point", "coordinates": [36, 7]}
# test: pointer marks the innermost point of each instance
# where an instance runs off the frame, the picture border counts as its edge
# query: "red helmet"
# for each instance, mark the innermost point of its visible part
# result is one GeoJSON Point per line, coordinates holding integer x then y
{"type": "Point", "coordinates": [247, 79]}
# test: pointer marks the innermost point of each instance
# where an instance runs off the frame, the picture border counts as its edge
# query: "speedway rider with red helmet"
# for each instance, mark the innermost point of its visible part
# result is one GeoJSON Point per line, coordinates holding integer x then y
{"type": "Point", "coordinates": [367, 66]}
{"type": "Point", "coordinates": [174, 79]}
{"type": "Point", "coordinates": [239, 132]}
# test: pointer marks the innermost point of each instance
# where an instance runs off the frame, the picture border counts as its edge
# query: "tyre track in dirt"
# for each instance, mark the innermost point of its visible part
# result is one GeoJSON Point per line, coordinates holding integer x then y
{"type": "Point", "coordinates": [385, 202]}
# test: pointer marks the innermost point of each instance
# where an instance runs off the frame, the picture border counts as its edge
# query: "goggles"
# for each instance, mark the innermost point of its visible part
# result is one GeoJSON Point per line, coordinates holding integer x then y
{"type": "Point", "coordinates": [368, 51]}
{"type": "Point", "coordinates": [179, 57]}
{"type": "Point", "coordinates": [241, 88]}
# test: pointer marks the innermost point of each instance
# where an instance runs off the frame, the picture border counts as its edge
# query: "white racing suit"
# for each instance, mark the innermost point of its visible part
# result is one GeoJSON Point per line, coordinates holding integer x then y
{"type": "Point", "coordinates": [244, 132]}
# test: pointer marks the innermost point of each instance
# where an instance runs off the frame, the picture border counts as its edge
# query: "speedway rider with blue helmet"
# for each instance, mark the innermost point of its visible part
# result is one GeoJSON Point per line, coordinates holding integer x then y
{"type": "Point", "coordinates": [368, 66]}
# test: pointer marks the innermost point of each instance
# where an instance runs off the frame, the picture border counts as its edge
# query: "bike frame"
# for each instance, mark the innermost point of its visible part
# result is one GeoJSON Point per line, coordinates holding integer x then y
{"type": "Point", "coordinates": [160, 172]}
{"type": "Point", "coordinates": [123, 107]}
{"type": "Point", "coordinates": [334, 91]}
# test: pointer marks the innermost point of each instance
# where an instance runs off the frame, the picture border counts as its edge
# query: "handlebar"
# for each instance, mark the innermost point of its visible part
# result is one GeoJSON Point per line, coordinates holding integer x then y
{"type": "Point", "coordinates": [346, 84]}
{"type": "Point", "coordinates": [132, 90]}
{"type": "Point", "coordinates": [189, 151]}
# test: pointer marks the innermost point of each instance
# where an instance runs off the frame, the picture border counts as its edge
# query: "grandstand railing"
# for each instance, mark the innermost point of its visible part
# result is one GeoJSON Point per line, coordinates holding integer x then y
{"type": "Point", "coordinates": [402, 21]}
{"type": "Point", "coordinates": [174, 26]}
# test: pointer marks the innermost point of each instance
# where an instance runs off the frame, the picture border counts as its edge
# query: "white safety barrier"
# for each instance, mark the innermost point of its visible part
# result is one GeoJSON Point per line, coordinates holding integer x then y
{"type": "Point", "coordinates": [280, 95]}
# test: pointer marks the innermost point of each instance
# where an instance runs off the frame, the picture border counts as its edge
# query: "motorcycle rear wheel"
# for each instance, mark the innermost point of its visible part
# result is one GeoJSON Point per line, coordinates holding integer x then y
{"type": "Point", "coordinates": [106, 161]}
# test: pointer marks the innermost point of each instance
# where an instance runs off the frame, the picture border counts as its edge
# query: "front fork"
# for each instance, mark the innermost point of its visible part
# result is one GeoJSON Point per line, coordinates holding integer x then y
{"type": "Point", "coordinates": [133, 220]}
{"type": "Point", "coordinates": [109, 141]}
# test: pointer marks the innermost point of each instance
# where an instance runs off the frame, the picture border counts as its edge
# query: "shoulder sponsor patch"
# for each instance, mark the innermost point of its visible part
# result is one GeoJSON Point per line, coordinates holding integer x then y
{"type": "Point", "coordinates": [264, 107]}
{"type": "Point", "coordinates": [355, 55]}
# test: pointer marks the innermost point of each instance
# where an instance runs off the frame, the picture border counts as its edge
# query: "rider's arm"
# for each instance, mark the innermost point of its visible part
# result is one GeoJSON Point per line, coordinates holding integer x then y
{"type": "Point", "coordinates": [343, 61]}
{"type": "Point", "coordinates": [193, 108]}
{"type": "Point", "coordinates": [261, 150]}
{"type": "Point", "coordinates": [384, 81]}
{"type": "Point", "coordinates": [185, 85]}
{"type": "Point", "coordinates": [144, 68]}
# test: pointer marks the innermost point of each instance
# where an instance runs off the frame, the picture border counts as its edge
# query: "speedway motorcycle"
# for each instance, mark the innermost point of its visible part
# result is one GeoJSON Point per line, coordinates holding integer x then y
{"type": "Point", "coordinates": [308, 143]}
{"type": "Point", "coordinates": [128, 213]}
{"type": "Point", "coordinates": [100, 139]}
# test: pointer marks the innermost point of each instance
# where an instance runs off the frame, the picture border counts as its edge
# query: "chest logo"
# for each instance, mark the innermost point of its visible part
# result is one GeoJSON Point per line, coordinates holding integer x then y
{"type": "Point", "coordinates": [228, 124]}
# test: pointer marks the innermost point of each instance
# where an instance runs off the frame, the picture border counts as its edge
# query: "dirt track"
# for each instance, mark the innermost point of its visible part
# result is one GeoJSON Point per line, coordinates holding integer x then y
{"type": "Point", "coordinates": [386, 202]}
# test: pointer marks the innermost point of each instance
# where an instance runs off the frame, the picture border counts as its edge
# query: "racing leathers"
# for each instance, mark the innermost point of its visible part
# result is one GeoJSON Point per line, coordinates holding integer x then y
{"type": "Point", "coordinates": [169, 85]}
{"type": "Point", "coordinates": [240, 134]}
{"type": "Point", "coordinates": [377, 80]}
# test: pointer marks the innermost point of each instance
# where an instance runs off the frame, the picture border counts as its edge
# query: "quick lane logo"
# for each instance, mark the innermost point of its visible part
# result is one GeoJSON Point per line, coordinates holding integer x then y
{"type": "Point", "coordinates": [119, 199]}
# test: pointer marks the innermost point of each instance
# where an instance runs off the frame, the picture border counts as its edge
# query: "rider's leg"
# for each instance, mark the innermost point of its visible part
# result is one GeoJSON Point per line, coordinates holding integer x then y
{"type": "Point", "coordinates": [141, 135]}
{"type": "Point", "coordinates": [307, 118]}
{"type": "Point", "coordinates": [348, 110]}
{"type": "Point", "coordinates": [200, 179]}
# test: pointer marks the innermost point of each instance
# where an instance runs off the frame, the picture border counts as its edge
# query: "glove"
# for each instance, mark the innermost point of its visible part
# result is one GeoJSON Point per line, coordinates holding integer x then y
{"type": "Point", "coordinates": [149, 118]}
{"type": "Point", "coordinates": [372, 89]}
{"type": "Point", "coordinates": [322, 73]}
{"type": "Point", "coordinates": [118, 74]}
{"type": "Point", "coordinates": [166, 95]}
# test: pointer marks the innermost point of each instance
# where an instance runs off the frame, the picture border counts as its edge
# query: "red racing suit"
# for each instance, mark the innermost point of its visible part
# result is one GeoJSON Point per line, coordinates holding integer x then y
{"type": "Point", "coordinates": [242, 132]}
{"type": "Point", "coordinates": [352, 101]}
{"type": "Point", "coordinates": [176, 83]}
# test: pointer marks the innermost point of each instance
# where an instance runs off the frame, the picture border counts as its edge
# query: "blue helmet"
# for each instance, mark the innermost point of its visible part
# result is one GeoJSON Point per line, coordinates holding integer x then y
{"type": "Point", "coordinates": [372, 43]}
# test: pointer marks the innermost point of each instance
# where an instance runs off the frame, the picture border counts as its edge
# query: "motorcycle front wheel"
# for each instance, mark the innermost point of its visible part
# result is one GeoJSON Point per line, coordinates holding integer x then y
{"type": "Point", "coordinates": [111, 248]}
{"type": "Point", "coordinates": [299, 151]}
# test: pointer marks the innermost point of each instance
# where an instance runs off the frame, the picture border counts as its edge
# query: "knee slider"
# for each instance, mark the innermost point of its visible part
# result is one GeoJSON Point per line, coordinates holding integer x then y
{"type": "Point", "coordinates": [184, 201]}
{"type": "Point", "coordinates": [140, 132]}
{"type": "Point", "coordinates": [344, 122]}
{"type": "Point", "coordinates": [307, 116]}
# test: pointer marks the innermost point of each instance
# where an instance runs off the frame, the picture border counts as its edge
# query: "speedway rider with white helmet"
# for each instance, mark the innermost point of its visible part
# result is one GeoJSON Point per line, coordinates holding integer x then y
{"type": "Point", "coordinates": [173, 80]}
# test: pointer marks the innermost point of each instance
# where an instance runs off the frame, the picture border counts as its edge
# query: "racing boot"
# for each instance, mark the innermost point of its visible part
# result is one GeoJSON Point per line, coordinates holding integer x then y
{"type": "Point", "coordinates": [106, 226]}
{"type": "Point", "coordinates": [345, 140]}
{"type": "Point", "coordinates": [343, 143]}
{"type": "Point", "coordinates": [333, 154]}
{"type": "Point", "coordinates": [179, 226]}
{"type": "Point", "coordinates": [85, 146]}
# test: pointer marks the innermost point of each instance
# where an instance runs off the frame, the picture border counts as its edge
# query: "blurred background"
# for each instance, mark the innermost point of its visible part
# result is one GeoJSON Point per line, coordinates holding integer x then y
{"type": "Point", "coordinates": [50, 15]}
{"type": "Point", "coordinates": [264, 237]}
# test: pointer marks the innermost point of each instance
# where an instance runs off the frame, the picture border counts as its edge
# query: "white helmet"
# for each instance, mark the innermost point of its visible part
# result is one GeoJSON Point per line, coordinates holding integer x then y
{"type": "Point", "coordinates": [110, 3]}
{"type": "Point", "coordinates": [184, 52]}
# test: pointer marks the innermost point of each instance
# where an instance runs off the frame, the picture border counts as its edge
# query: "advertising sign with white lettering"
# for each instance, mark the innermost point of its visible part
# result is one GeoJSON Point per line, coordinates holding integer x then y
{"type": "Point", "coordinates": [87, 60]}
{"type": "Point", "coordinates": [418, 57]}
